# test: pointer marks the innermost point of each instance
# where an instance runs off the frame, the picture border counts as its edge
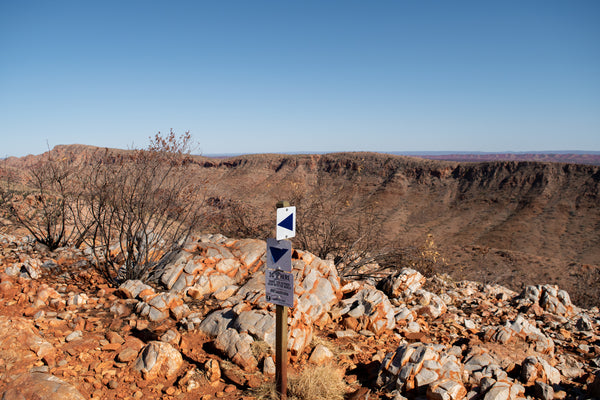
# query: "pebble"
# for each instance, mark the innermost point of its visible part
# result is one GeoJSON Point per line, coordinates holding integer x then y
{"type": "Point", "coordinates": [112, 384]}
{"type": "Point", "coordinates": [73, 336]}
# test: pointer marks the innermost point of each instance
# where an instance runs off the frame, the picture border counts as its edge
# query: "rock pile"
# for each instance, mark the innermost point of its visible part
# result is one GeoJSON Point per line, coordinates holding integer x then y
{"type": "Point", "coordinates": [316, 288]}
{"type": "Point", "coordinates": [548, 298]}
{"type": "Point", "coordinates": [207, 331]}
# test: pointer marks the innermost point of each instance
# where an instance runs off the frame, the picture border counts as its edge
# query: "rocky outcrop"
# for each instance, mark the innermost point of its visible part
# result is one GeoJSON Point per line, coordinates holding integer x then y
{"type": "Point", "coordinates": [211, 262]}
{"type": "Point", "coordinates": [546, 298]}
{"type": "Point", "coordinates": [523, 329]}
{"type": "Point", "coordinates": [453, 340]}
{"type": "Point", "coordinates": [402, 284]}
{"type": "Point", "coordinates": [418, 365]}
{"type": "Point", "coordinates": [316, 290]}
{"type": "Point", "coordinates": [371, 305]}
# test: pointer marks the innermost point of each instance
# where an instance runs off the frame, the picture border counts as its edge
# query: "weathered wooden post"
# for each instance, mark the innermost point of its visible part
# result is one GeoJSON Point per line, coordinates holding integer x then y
{"type": "Point", "coordinates": [281, 350]}
{"type": "Point", "coordinates": [281, 334]}
{"type": "Point", "coordinates": [279, 284]}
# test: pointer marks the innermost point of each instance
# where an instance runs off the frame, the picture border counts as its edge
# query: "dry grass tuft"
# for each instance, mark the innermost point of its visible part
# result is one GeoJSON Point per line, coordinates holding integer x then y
{"type": "Point", "coordinates": [314, 383]}
{"type": "Point", "coordinates": [260, 349]}
{"type": "Point", "coordinates": [266, 391]}
{"type": "Point", "coordinates": [322, 382]}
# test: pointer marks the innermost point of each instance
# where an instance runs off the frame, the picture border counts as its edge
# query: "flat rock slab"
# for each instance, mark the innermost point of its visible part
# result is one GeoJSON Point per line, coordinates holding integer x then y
{"type": "Point", "coordinates": [41, 386]}
{"type": "Point", "coordinates": [21, 341]}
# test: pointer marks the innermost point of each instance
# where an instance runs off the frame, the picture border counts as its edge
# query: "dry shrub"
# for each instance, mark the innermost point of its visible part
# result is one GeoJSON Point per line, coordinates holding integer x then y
{"type": "Point", "coordinates": [266, 392]}
{"type": "Point", "coordinates": [425, 258]}
{"type": "Point", "coordinates": [260, 349]}
{"type": "Point", "coordinates": [323, 382]}
{"type": "Point", "coordinates": [139, 207]}
{"type": "Point", "coordinates": [39, 199]}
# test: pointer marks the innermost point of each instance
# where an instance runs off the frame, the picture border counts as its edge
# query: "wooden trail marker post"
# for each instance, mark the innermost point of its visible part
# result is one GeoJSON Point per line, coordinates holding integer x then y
{"type": "Point", "coordinates": [279, 285]}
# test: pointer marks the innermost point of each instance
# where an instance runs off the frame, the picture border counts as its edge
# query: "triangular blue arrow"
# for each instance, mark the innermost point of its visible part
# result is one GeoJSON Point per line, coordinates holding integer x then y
{"type": "Point", "coordinates": [277, 253]}
{"type": "Point", "coordinates": [287, 223]}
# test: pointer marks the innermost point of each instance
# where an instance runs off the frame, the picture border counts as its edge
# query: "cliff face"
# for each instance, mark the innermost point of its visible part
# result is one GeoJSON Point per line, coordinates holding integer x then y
{"type": "Point", "coordinates": [546, 209]}
{"type": "Point", "coordinates": [508, 222]}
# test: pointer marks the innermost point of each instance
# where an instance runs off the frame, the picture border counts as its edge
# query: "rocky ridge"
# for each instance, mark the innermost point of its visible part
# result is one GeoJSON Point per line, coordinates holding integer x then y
{"type": "Point", "coordinates": [206, 331]}
{"type": "Point", "coordinates": [515, 223]}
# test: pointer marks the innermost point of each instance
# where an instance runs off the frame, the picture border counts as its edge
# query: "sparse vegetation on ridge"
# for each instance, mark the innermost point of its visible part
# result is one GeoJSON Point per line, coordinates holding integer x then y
{"type": "Point", "coordinates": [142, 206]}
{"type": "Point", "coordinates": [130, 209]}
{"type": "Point", "coordinates": [41, 204]}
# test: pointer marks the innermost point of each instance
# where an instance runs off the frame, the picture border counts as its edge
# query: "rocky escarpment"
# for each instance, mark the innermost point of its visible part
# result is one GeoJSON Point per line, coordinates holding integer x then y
{"type": "Point", "coordinates": [539, 208]}
{"type": "Point", "coordinates": [515, 223]}
{"type": "Point", "coordinates": [206, 330]}
{"type": "Point", "coordinates": [529, 222]}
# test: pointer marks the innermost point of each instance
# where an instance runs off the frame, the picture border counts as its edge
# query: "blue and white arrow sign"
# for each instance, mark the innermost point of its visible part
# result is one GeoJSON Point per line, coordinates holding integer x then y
{"type": "Point", "coordinates": [279, 254]}
{"type": "Point", "coordinates": [286, 223]}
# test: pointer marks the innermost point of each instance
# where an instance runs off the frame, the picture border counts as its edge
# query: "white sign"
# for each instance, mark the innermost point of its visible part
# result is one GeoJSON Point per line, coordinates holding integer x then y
{"type": "Point", "coordinates": [280, 287]}
{"type": "Point", "coordinates": [286, 223]}
{"type": "Point", "coordinates": [279, 254]}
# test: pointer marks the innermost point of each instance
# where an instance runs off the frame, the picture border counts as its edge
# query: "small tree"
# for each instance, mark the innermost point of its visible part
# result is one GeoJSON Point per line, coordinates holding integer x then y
{"type": "Point", "coordinates": [143, 205]}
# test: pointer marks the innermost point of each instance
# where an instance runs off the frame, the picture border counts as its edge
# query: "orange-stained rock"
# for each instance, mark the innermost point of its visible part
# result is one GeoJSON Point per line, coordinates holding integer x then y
{"type": "Point", "coordinates": [158, 359]}
{"type": "Point", "coordinates": [37, 385]}
{"type": "Point", "coordinates": [21, 341]}
{"type": "Point", "coordinates": [320, 355]}
{"type": "Point", "coordinates": [213, 371]}
{"type": "Point", "coordinates": [402, 283]}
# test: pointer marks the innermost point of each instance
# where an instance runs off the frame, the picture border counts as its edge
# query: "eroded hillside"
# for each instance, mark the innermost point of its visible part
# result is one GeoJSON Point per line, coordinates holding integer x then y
{"type": "Point", "coordinates": [514, 223]}
{"type": "Point", "coordinates": [507, 222]}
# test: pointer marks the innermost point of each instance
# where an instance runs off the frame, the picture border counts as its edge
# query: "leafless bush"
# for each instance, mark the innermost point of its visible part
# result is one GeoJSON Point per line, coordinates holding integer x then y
{"type": "Point", "coordinates": [41, 204]}
{"type": "Point", "coordinates": [138, 206]}
{"type": "Point", "coordinates": [335, 221]}
{"type": "Point", "coordinates": [339, 222]}
{"type": "Point", "coordinates": [239, 219]}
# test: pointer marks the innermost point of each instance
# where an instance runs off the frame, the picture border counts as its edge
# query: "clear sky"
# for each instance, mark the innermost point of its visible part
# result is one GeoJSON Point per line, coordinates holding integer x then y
{"type": "Point", "coordinates": [294, 76]}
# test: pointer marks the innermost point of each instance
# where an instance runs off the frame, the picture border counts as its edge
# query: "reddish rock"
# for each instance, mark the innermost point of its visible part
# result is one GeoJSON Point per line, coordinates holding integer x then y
{"type": "Point", "coordinates": [213, 371]}
{"type": "Point", "coordinates": [158, 359]}
{"type": "Point", "coordinates": [320, 355]}
{"type": "Point", "coordinates": [21, 341]}
{"type": "Point", "coordinates": [114, 337]}
{"type": "Point", "coordinates": [38, 385]}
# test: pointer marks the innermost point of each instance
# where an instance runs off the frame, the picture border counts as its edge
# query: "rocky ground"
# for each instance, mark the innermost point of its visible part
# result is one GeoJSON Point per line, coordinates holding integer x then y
{"type": "Point", "coordinates": [205, 330]}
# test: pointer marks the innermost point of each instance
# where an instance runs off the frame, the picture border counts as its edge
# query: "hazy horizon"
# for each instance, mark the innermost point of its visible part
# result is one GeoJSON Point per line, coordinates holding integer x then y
{"type": "Point", "coordinates": [406, 153]}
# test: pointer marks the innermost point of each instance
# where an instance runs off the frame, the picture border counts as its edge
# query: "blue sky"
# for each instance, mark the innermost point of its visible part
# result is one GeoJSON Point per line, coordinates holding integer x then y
{"type": "Point", "coordinates": [281, 76]}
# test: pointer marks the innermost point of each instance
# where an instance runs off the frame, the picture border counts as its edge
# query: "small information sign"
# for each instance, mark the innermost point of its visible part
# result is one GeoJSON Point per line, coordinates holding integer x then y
{"type": "Point", "coordinates": [279, 254]}
{"type": "Point", "coordinates": [280, 287]}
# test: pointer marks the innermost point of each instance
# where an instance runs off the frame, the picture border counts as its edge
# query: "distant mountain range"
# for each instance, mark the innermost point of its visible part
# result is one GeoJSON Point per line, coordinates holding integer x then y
{"type": "Point", "coordinates": [559, 156]}
{"type": "Point", "coordinates": [445, 153]}
{"type": "Point", "coordinates": [592, 158]}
